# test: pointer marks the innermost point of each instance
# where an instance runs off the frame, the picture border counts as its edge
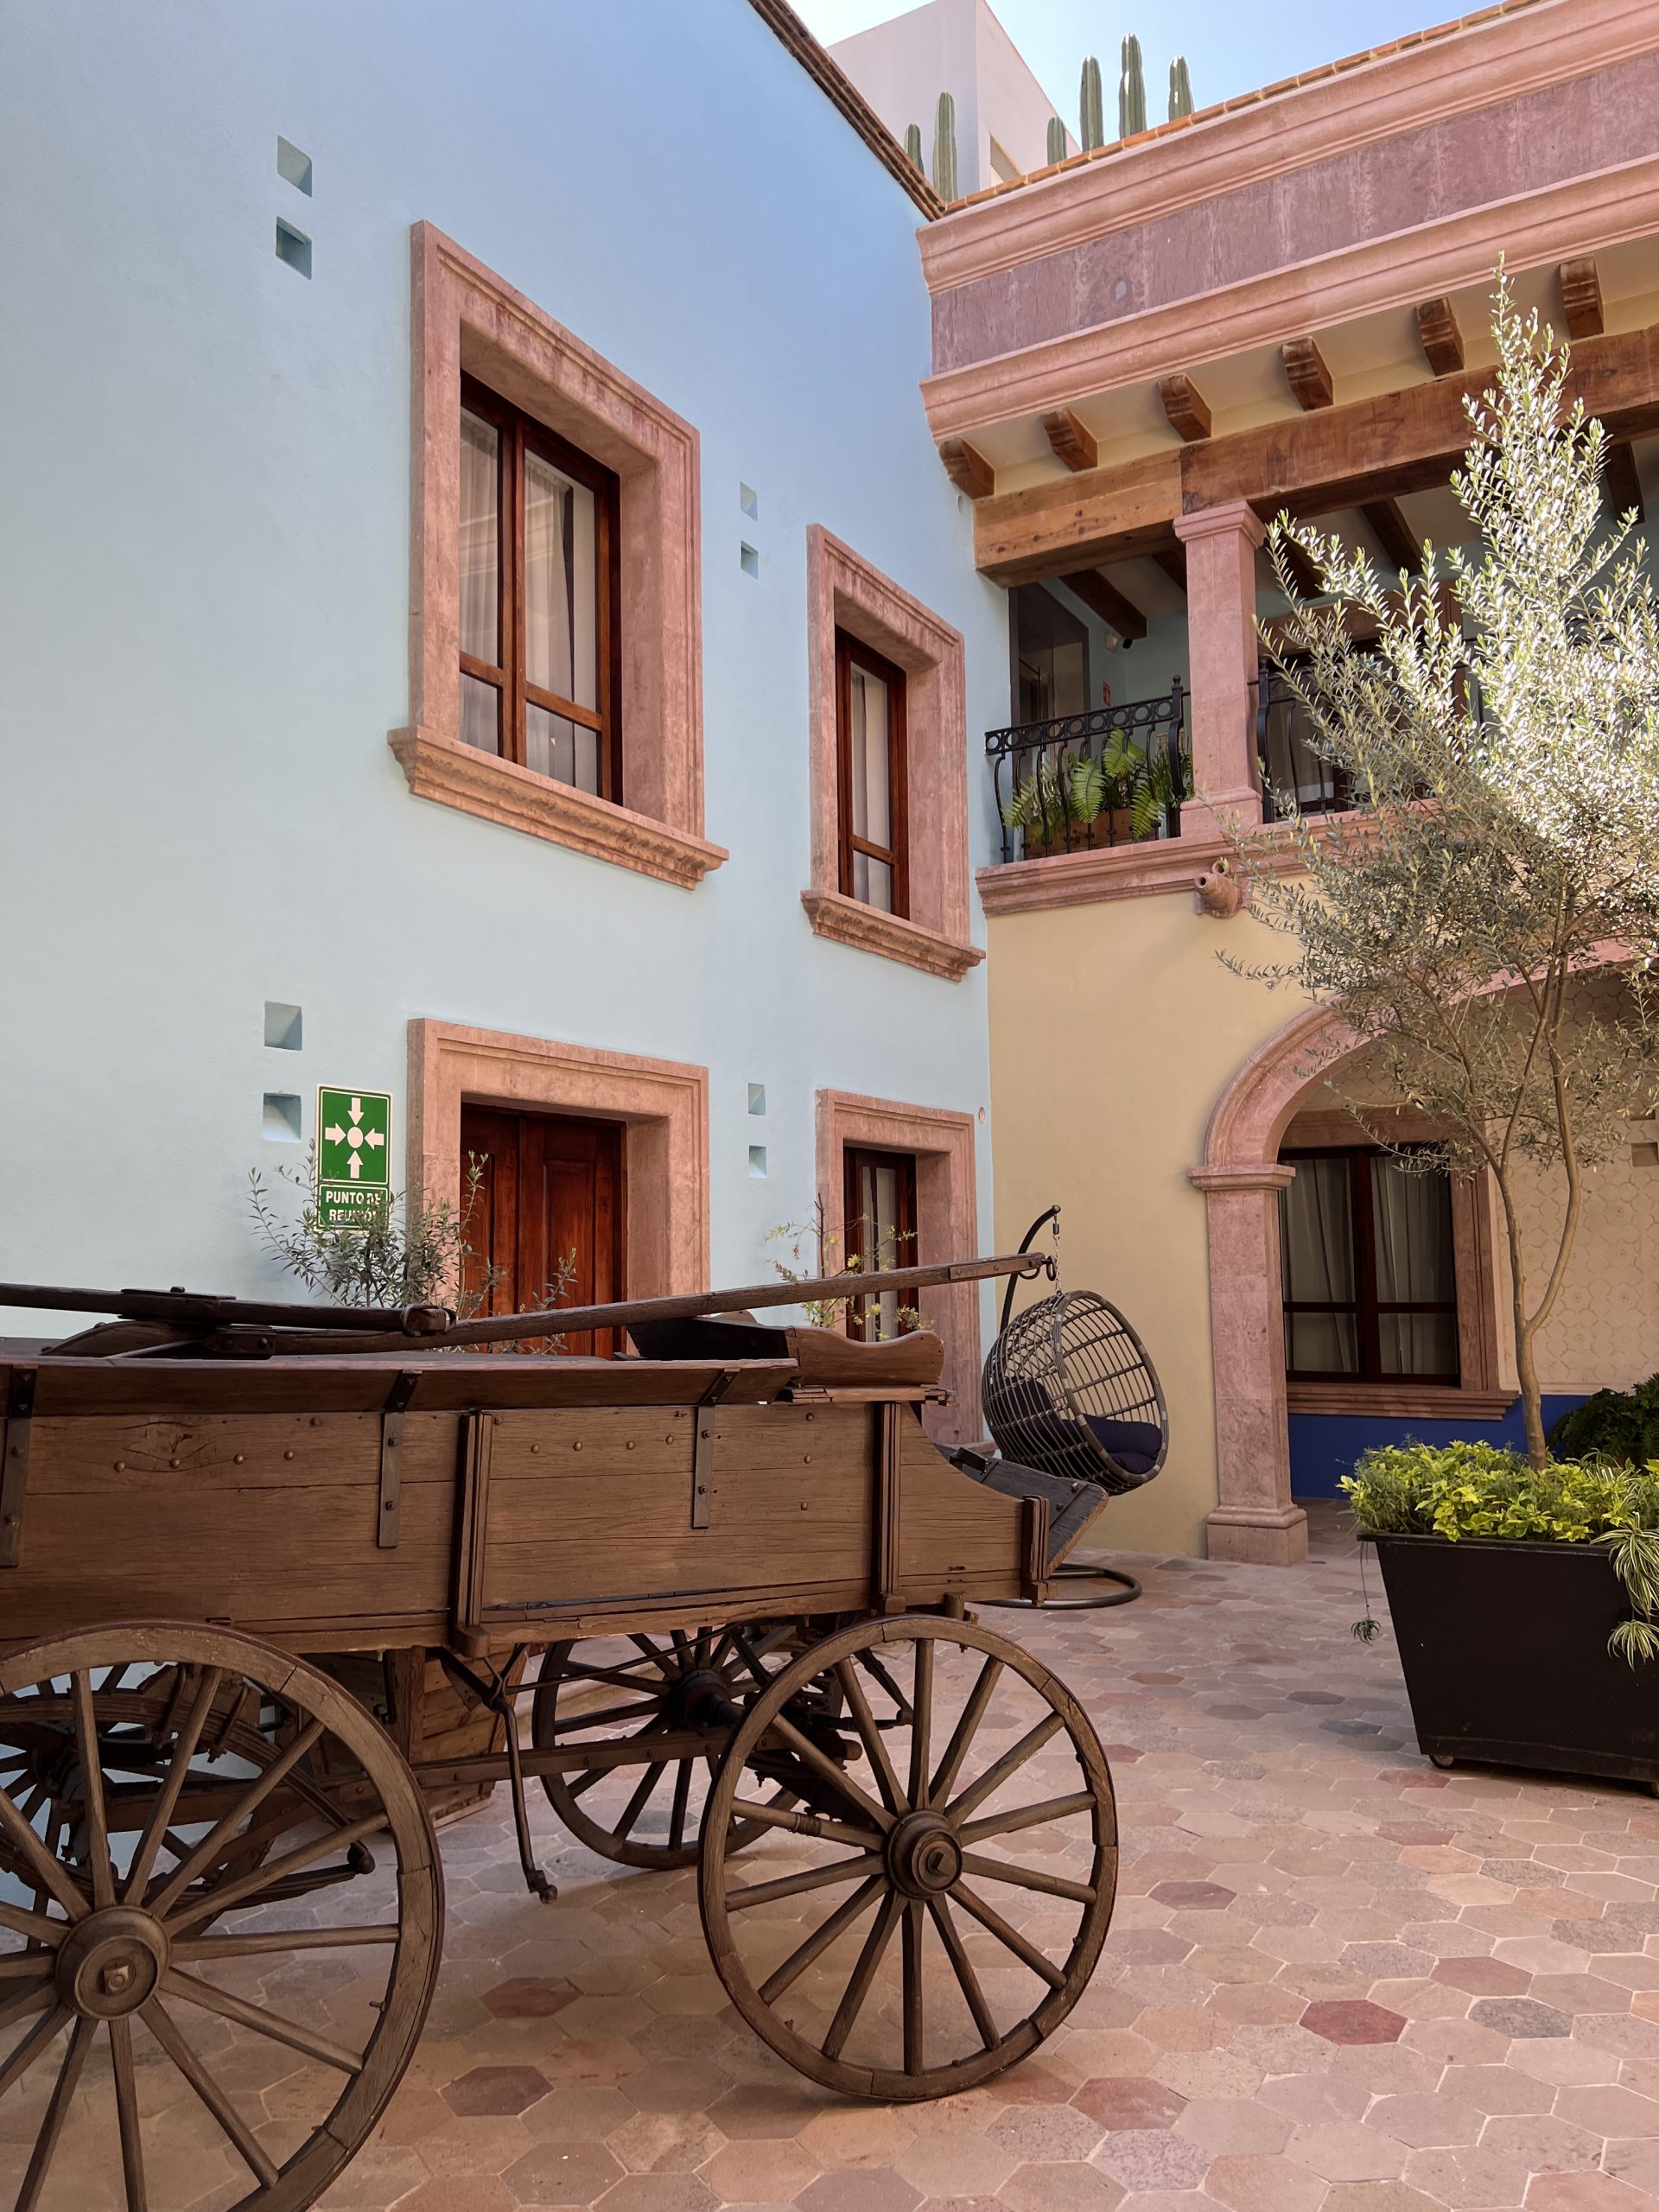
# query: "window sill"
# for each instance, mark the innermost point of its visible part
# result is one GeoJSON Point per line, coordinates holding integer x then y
{"type": "Point", "coordinates": [1423, 1401]}
{"type": "Point", "coordinates": [849, 921]}
{"type": "Point", "coordinates": [518, 798]}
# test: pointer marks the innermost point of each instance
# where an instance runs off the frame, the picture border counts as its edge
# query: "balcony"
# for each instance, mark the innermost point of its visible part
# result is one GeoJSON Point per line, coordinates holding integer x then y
{"type": "Point", "coordinates": [1284, 752]}
{"type": "Point", "coordinates": [1085, 783]}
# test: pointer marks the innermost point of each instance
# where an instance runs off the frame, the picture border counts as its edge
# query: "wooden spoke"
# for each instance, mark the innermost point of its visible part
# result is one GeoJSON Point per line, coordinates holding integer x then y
{"type": "Point", "coordinates": [611, 1717]}
{"type": "Point", "coordinates": [156, 1828]}
{"type": "Point", "coordinates": [38, 1864]}
{"type": "Point", "coordinates": [967, 1727]}
{"type": "Point", "coordinates": [1010, 1763]}
{"type": "Point", "coordinates": [836, 1776]}
{"type": "Point", "coordinates": [22, 1966]}
{"type": "Point", "coordinates": [779, 1817]}
{"type": "Point", "coordinates": [1026, 1877]}
{"type": "Point", "coordinates": [793, 1885]}
{"type": "Point", "coordinates": [875, 1747]}
{"type": "Point", "coordinates": [126, 2113]}
{"type": "Point", "coordinates": [1011, 1937]}
{"type": "Point", "coordinates": [629, 1676]}
{"type": "Point", "coordinates": [858, 1985]}
{"type": "Point", "coordinates": [637, 1803]}
{"type": "Point", "coordinates": [967, 1979]}
{"type": "Point", "coordinates": [193, 1991]}
{"type": "Point", "coordinates": [57, 2110]}
{"type": "Point", "coordinates": [915, 2061]}
{"type": "Point", "coordinates": [259, 1940]}
{"type": "Point", "coordinates": [873, 1667]}
{"type": "Point", "coordinates": [796, 1964]}
{"type": "Point", "coordinates": [34, 1999]}
{"type": "Point", "coordinates": [225, 1895]}
{"type": "Point", "coordinates": [1029, 1816]}
{"type": "Point", "coordinates": [587, 1781]}
{"type": "Point", "coordinates": [658, 1659]}
{"type": "Point", "coordinates": [921, 1723]}
{"type": "Point", "coordinates": [91, 1793]}
{"type": "Point", "coordinates": [251, 1798]}
{"type": "Point", "coordinates": [249, 2148]}
{"type": "Point", "coordinates": [33, 2046]}
{"type": "Point", "coordinates": [682, 1799]}
{"type": "Point", "coordinates": [35, 1925]}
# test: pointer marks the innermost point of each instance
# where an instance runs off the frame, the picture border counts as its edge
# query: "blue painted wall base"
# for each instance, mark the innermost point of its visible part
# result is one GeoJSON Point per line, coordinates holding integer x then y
{"type": "Point", "coordinates": [1324, 1447]}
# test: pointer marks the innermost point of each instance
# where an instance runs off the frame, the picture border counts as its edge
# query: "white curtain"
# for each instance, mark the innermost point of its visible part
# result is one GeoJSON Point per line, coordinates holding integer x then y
{"type": "Point", "coordinates": [1411, 1212]}
{"type": "Point", "coordinates": [1316, 1233]}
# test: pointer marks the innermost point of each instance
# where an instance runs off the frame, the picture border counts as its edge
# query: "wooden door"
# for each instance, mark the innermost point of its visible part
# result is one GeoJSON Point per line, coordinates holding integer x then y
{"type": "Point", "coordinates": [550, 1190]}
{"type": "Point", "coordinates": [880, 1218]}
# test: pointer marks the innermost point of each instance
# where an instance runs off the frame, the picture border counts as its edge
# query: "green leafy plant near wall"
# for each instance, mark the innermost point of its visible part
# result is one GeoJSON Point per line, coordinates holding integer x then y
{"type": "Point", "coordinates": [1071, 794]}
{"type": "Point", "coordinates": [1613, 1425]}
{"type": "Point", "coordinates": [1466, 1490]}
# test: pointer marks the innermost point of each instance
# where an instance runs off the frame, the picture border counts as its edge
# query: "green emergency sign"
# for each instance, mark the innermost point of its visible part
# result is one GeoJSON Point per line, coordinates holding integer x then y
{"type": "Point", "coordinates": [353, 1154]}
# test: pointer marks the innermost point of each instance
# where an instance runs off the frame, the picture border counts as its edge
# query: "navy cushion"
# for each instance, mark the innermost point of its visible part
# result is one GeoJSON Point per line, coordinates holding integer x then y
{"type": "Point", "coordinates": [1133, 1444]}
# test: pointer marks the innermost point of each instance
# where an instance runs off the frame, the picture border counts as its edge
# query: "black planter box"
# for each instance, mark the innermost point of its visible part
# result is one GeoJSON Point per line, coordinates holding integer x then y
{"type": "Point", "coordinates": [1505, 1651]}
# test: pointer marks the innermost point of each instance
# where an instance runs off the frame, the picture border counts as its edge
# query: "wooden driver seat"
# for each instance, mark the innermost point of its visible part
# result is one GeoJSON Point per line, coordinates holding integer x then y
{"type": "Point", "coordinates": [824, 1357]}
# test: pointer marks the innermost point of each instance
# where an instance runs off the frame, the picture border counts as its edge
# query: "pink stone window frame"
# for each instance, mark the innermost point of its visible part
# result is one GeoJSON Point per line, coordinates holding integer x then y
{"type": "Point", "coordinates": [947, 1224]}
{"type": "Point", "coordinates": [846, 591]}
{"type": "Point", "coordinates": [664, 1104]}
{"type": "Point", "coordinates": [465, 319]}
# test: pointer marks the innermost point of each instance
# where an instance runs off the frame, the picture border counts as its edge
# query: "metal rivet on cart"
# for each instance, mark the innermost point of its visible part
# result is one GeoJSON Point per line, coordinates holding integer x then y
{"type": "Point", "coordinates": [238, 1456]}
{"type": "Point", "coordinates": [806, 1459]}
{"type": "Point", "coordinates": [120, 1466]}
{"type": "Point", "coordinates": [576, 1447]}
{"type": "Point", "coordinates": [288, 1455]}
{"type": "Point", "coordinates": [172, 1463]}
{"type": "Point", "coordinates": [535, 1447]}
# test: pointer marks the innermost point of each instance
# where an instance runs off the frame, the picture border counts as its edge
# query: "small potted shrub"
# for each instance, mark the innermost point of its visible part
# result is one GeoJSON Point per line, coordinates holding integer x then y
{"type": "Point", "coordinates": [1116, 796]}
{"type": "Point", "coordinates": [1525, 1603]}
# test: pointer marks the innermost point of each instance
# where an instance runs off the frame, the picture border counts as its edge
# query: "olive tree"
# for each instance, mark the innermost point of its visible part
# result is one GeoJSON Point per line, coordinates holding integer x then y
{"type": "Point", "coordinates": [1495, 716]}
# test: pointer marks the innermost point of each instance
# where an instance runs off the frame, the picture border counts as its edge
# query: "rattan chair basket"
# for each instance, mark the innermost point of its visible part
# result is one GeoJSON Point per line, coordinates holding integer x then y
{"type": "Point", "coordinates": [1068, 1388]}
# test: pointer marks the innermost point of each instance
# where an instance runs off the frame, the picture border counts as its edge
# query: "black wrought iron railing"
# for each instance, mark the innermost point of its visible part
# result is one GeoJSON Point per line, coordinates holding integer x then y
{"type": "Point", "coordinates": [1113, 776]}
{"type": "Point", "coordinates": [1287, 759]}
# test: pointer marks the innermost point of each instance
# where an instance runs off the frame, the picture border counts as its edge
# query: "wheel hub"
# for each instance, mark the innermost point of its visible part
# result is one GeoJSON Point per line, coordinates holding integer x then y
{"type": "Point", "coordinates": [110, 1963]}
{"type": "Point", "coordinates": [702, 1700]}
{"type": "Point", "coordinates": [924, 1857]}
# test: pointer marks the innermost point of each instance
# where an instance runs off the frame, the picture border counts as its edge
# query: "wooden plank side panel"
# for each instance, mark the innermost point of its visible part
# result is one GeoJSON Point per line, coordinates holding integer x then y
{"type": "Point", "coordinates": [954, 1534]}
{"type": "Point", "coordinates": [790, 1503]}
{"type": "Point", "coordinates": [182, 1465]}
{"type": "Point", "coordinates": [247, 1557]}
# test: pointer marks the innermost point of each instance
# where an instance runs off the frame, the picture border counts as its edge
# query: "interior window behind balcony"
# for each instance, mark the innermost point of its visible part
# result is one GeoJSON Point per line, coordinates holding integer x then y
{"type": "Point", "coordinates": [539, 613]}
{"type": "Point", "coordinates": [870, 726]}
{"type": "Point", "coordinates": [1369, 1285]}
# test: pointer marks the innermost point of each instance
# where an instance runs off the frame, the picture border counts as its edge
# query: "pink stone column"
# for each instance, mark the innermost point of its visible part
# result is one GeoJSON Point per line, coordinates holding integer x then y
{"type": "Point", "coordinates": [1221, 545]}
{"type": "Point", "coordinates": [1254, 1519]}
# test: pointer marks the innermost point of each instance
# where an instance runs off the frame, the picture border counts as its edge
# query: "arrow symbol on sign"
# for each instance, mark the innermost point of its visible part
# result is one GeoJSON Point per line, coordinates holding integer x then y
{"type": "Point", "coordinates": [335, 1135]}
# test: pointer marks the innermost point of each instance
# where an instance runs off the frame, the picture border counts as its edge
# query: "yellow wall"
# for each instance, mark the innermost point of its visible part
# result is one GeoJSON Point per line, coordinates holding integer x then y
{"type": "Point", "coordinates": [1114, 1030]}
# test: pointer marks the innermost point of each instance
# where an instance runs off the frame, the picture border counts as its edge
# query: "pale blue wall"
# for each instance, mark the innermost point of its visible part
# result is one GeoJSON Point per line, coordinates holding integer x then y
{"type": "Point", "coordinates": [204, 590]}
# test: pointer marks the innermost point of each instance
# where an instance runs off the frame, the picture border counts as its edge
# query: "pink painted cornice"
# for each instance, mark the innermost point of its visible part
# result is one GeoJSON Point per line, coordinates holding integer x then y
{"type": "Point", "coordinates": [1288, 129]}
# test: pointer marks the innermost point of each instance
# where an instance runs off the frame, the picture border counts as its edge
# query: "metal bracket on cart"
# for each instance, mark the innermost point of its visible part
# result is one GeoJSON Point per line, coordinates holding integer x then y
{"type": "Point", "coordinates": [702, 1447]}
{"type": "Point", "coordinates": [14, 1462]}
{"type": "Point", "coordinates": [494, 1689]}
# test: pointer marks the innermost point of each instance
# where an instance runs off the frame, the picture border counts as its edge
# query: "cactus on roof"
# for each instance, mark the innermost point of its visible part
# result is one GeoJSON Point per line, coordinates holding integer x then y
{"type": "Point", "coordinates": [1181, 89]}
{"type": "Point", "coordinates": [1056, 139]}
{"type": "Point", "coordinates": [1091, 121]}
{"type": "Point", "coordinates": [945, 148]}
{"type": "Point", "coordinates": [1131, 91]}
{"type": "Point", "coordinates": [913, 144]}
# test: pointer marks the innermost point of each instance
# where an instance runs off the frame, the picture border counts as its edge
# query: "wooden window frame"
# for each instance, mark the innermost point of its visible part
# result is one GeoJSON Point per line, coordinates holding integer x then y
{"type": "Point", "coordinates": [1366, 1307]}
{"type": "Point", "coordinates": [519, 434]}
{"type": "Point", "coordinates": [852, 651]}
{"type": "Point", "coordinates": [854, 1158]}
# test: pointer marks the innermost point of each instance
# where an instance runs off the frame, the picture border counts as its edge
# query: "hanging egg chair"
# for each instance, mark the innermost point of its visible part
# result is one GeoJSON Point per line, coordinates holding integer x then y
{"type": "Point", "coordinates": [1068, 1388]}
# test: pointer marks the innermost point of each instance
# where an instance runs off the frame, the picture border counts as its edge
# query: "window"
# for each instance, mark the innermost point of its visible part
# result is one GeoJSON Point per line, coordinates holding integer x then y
{"type": "Point", "coordinates": [870, 737]}
{"type": "Point", "coordinates": [1369, 1284]}
{"type": "Point", "coordinates": [880, 1214]}
{"type": "Point", "coordinates": [539, 599]}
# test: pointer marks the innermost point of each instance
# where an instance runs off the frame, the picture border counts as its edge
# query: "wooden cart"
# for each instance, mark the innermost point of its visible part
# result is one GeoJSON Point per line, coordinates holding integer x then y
{"type": "Point", "coordinates": [734, 1592]}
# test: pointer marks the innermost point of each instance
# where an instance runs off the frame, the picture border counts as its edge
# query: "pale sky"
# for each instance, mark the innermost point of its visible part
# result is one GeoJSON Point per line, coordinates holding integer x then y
{"type": "Point", "coordinates": [1231, 46]}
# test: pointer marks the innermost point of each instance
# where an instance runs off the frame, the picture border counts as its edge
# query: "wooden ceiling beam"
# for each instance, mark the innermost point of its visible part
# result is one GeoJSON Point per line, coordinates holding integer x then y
{"type": "Point", "coordinates": [968, 468]}
{"type": "Point", "coordinates": [1312, 464]}
{"type": "Point", "coordinates": [1392, 531]}
{"type": "Point", "coordinates": [1104, 599]}
{"type": "Point", "coordinates": [1172, 559]}
{"type": "Point", "coordinates": [1307, 373]}
{"type": "Point", "coordinates": [1620, 483]}
{"type": "Point", "coordinates": [1440, 336]}
{"type": "Point", "coordinates": [1070, 440]}
{"type": "Point", "coordinates": [1582, 297]}
{"type": "Point", "coordinates": [1186, 406]}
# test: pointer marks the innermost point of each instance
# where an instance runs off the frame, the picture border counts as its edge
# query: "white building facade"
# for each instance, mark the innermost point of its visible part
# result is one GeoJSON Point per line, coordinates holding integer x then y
{"type": "Point", "coordinates": [465, 480]}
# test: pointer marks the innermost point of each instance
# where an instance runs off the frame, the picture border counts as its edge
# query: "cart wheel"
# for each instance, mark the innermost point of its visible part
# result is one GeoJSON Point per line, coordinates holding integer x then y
{"type": "Point", "coordinates": [906, 1805]}
{"type": "Point", "coordinates": [159, 1781]}
{"type": "Point", "coordinates": [618, 1688]}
